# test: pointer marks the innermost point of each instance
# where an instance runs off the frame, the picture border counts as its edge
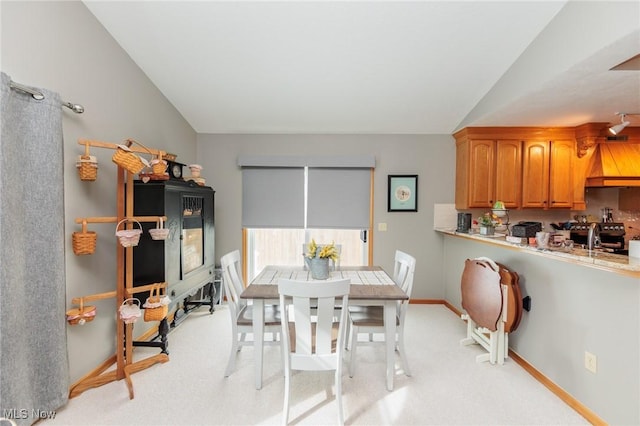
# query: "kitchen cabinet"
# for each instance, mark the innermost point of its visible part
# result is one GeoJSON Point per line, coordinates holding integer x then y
{"type": "Point", "coordinates": [487, 170]}
{"type": "Point", "coordinates": [508, 173]}
{"type": "Point", "coordinates": [547, 174]}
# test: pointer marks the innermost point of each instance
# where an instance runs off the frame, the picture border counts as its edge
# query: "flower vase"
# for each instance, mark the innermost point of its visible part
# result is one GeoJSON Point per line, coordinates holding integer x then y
{"type": "Point", "coordinates": [487, 230]}
{"type": "Point", "coordinates": [319, 268]}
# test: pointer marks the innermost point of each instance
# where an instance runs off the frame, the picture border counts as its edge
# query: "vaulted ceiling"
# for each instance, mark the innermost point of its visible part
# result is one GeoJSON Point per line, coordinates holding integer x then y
{"type": "Point", "coordinates": [425, 67]}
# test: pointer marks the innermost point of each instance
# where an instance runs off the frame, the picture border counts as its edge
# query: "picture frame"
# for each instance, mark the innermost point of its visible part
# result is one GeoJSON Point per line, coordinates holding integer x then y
{"type": "Point", "coordinates": [402, 193]}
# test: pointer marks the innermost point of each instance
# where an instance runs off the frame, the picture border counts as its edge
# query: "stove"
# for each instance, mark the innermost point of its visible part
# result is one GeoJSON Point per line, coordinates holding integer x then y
{"type": "Point", "coordinates": [611, 235]}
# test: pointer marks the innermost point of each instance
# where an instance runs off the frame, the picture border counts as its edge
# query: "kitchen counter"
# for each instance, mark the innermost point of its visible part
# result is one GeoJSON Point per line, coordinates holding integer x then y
{"type": "Point", "coordinates": [597, 259]}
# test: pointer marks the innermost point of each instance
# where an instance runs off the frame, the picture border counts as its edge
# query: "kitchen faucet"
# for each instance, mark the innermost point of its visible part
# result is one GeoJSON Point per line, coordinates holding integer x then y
{"type": "Point", "coordinates": [593, 237]}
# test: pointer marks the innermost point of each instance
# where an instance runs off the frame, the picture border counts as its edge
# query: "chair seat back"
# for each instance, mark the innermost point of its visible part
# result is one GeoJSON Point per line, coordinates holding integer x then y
{"type": "Point", "coordinates": [312, 338]}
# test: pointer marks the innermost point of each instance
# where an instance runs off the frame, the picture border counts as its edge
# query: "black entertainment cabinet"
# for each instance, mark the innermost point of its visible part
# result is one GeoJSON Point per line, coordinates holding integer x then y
{"type": "Point", "coordinates": [186, 259]}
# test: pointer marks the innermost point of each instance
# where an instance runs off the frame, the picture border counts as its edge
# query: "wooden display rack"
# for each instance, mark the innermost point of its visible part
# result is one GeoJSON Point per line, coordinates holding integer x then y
{"type": "Point", "coordinates": [123, 358]}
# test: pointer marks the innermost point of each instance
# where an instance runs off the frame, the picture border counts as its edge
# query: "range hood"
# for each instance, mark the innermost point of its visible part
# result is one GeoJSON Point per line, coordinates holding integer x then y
{"type": "Point", "coordinates": [614, 164]}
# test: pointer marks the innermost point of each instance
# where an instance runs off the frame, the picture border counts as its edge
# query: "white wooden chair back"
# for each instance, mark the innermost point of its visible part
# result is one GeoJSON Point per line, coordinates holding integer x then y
{"type": "Point", "coordinates": [242, 313]}
{"type": "Point", "coordinates": [370, 319]}
{"type": "Point", "coordinates": [233, 282]}
{"type": "Point", "coordinates": [311, 339]}
{"type": "Point", "coordinates": [403, 271]}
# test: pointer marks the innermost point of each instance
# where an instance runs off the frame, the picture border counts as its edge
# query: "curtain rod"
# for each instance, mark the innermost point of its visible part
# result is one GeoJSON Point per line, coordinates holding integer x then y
{"type": "Point", "coordinates": [77, 108]}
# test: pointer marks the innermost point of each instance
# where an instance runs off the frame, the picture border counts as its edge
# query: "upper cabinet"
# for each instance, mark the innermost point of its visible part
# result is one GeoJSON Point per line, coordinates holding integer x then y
{"type": "Point", "coordinates": [475, 173]}
{"type": "Point", "coordinates": [508, 172]}
{"type": "Point", "coordinates": [523, 167]}
{"type": "Point", "coordinates": [487, 170]}
{"type": "Point", "coordinates": [547, 174]}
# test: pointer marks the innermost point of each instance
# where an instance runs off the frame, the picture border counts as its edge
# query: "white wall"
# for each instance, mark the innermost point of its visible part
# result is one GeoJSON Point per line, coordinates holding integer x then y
{"type": "Point", "coordinates": [60, 46]}
{"type": "Point", "coordinates": [574, 308]}
{"type": "Point", "coordinates": [431, 157]}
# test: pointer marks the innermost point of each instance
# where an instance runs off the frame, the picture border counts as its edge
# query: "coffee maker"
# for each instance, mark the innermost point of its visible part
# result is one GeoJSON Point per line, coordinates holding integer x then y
{"type": "Point", "coordinates": [464, 222]}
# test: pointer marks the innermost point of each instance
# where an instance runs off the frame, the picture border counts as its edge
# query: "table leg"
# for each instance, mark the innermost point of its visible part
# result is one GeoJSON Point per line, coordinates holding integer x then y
{"type": "Point", "coordinates": [258, 339]}
{"type": "Point", "coordinates": [390, 339]}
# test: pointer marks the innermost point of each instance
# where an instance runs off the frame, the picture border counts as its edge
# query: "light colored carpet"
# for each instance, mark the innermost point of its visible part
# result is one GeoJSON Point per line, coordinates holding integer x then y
{"type": "Point", "coordinates": [448, 387]}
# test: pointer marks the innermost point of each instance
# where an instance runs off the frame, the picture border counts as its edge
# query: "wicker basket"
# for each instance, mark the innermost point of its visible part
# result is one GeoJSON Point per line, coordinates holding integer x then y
{"type": "Point", "coordinates": [128, 160]}
{"type": "Point", "coordinates": [84, 242]}
{"type": "Point", "coordinates": [129, 311]}
{"type": "Point", "coordinates": [87, 165]}
{"type": "Point", "coordinates": [156, 307]}
{"type": "Point", "coordinates": [128, 237]}
{"type": "Point", "coordinates": [158, 166]}
{"type": "Point", "coordinates": [160, 232]}
{"type": "Point", "coordinates": [81, 315]}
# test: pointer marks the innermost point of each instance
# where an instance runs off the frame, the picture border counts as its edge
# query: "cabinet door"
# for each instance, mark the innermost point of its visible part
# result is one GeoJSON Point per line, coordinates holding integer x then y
{"type": "Point", "coordinates": [481, 173]}
{"type": "Point", "coordinates": [462, 174]}
{"type": "Point", "coordinates": [535, 174]}
{"type": "Point", "coordinates": [508, 172]}
{"type": "Point", "coordinates": [561, 174]}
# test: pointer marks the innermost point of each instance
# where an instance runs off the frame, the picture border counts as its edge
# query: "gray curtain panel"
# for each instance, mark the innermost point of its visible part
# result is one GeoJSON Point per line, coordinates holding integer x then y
{"type": "Point", "coordinates": [34, 378]}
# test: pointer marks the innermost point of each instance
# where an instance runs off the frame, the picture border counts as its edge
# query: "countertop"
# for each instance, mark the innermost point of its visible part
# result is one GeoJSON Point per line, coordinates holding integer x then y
{"type": "Point", "coordinates": [598, 259]}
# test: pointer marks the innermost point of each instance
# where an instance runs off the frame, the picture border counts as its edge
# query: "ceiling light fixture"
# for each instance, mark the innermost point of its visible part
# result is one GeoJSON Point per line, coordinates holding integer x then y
{"type": "Point", "coordinates": [614, 130]}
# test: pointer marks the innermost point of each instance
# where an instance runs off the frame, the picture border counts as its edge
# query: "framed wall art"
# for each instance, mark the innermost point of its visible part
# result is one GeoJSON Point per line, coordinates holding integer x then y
{"type": "Point", "coordinates": [403, 193]}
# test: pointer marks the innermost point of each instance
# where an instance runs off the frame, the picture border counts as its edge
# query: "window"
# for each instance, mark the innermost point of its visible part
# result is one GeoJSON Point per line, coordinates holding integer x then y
{"type": "Point", "coordinates": [277, 246]}
{"type": "Point", "coordinates": [287, 201]}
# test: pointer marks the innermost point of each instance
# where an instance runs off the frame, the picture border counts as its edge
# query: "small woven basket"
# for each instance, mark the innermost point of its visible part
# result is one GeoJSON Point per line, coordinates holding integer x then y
{"type": "Point", "coordinates": [128, 237]}
{"type": "Point", "coordinates": [130, 311]}
{"type": "Point", "coordinates": [81, 315]}
{"type": "Point", "coordinates": [155, 308]}
{"type": "Point", "coordinates": [128, 160]}
{"type": "Point", "coordinates": [158, 166]}
{"type": "Point", "coordinates": [160, 232]}
{"type": "Point", "coordinates": [87, 165]}
{"type": "Point", "coordinates": [84, 242]}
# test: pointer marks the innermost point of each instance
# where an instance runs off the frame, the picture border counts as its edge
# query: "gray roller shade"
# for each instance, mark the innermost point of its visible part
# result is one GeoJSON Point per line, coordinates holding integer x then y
{"type": "Point", "coordinates": [338, 198]}
{"type": "Point", "coordinates": [272, 197]}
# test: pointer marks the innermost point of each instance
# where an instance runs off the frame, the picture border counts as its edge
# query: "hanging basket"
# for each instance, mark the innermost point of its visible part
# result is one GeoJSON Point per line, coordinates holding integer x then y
{"type": "Point", "coordinates": [128, 237]}
{"type": "Point", "coordinates": [84, 242]}
{"type": "Point", "coordinates": [81, 315]}
{"type": "Point", "coordinates": [87, 165]}
{"type": "Point", "coordinates": [127, 159]}
{"type": "Point", "coordinates": [156, 307]}
{"type": "Point", "coordinates": [160, 232]}
{"type": "Point", "coordinates": [129, 311]}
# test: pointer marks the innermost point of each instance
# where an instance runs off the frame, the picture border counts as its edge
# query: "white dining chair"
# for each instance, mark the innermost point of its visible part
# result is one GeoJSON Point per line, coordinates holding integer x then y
{"type": "Point", "coordinates": [242, 313]}
{"type": "Point", "coordinates": [312, 339]}
{"type": "Point", "coordinates": [369, 320]}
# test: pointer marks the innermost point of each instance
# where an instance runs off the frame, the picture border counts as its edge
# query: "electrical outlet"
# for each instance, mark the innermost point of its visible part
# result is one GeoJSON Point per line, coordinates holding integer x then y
{"type": "Point", "coordinates": [590, 362]}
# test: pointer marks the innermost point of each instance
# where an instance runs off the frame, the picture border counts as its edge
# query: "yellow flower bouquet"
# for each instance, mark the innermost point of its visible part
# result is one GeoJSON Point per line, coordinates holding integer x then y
{"type": "Point", "coordinates": [327, 251]}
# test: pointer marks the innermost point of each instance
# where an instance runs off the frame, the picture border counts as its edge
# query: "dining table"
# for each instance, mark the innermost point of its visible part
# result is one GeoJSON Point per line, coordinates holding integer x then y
{"type": "Point", "coordinates": [370, 286]}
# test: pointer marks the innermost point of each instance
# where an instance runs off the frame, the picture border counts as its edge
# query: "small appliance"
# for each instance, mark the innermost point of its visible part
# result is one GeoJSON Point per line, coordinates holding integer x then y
{"type": "Point", "coordinates": [464, 222]}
